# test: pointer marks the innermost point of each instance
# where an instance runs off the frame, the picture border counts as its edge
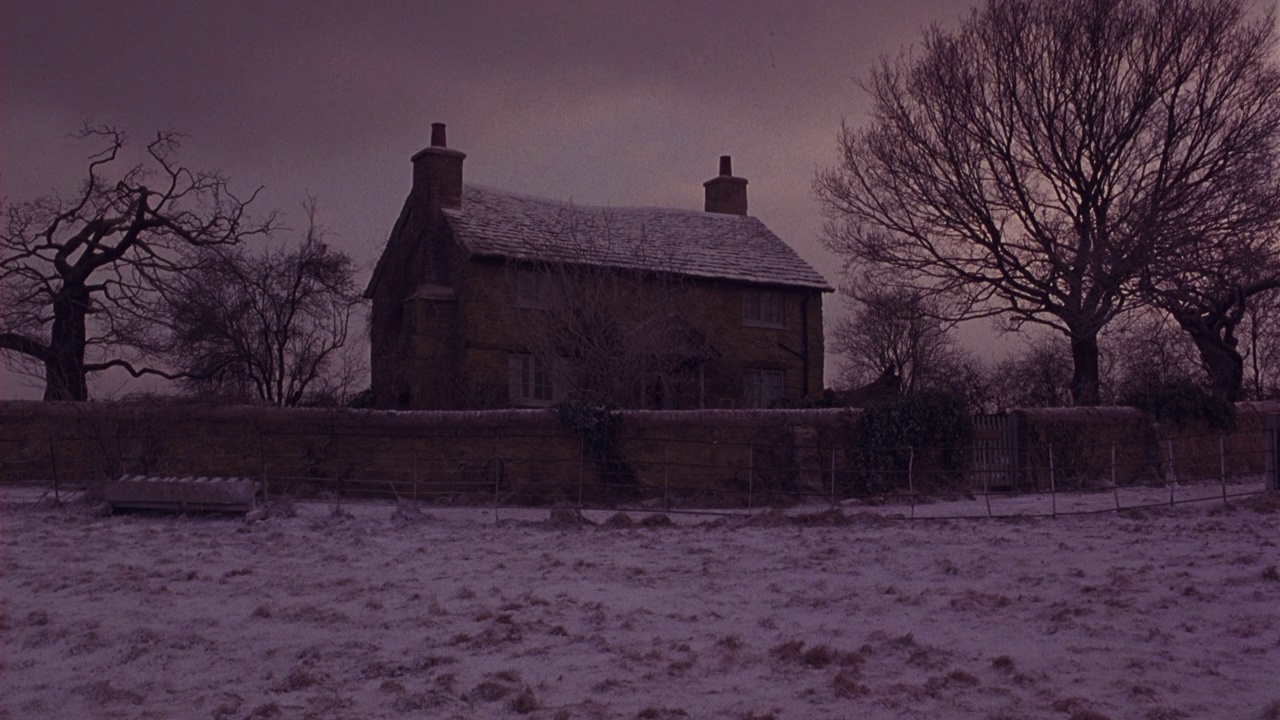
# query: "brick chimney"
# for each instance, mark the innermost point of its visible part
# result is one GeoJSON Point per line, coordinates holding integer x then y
{"type": "Point", "coordinates": [437, 171]}
{"type": "Point", "coordinates": [726, 194]}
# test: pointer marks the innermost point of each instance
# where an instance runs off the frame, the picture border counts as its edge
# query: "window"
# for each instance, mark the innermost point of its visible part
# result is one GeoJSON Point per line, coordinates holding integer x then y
{"type": "Point", "coordinates": [764, 308]}
{"type": "Point", "coordinates": [534, 289]}
{"type": "Point", "coordinates": [529, 380]}
{"type": "Point", "coordinates": [762, 387]}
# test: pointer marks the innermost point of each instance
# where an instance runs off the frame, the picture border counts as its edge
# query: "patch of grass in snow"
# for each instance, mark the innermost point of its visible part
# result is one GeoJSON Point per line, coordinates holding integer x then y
{"type": "Point", "coordinates": [282, 506]}
{"type": "Point", "coordinates": [619, 520]}
{"type": "Point", "coordinates": [656, 713]}
{"type": "Point", "coordinates": [657, 521]}
{"type": "Point", "coordinates": [1164, 713]}
{"type": "Point", "coordinates": [1077, 709]}
{"type": "Point", "coordinates": [731, 643]}
{"type": "Point", "coordinates": [1272, 712]}
{"type": "Point", "coordinates": [488, 691]}
{"type": "Point", "coordinates": [847, 683]}
{"type": "Point", "coordinates": [103, 692]}
{"type": "Point", "coordinates": [816, 656]}
{"type": "Point", "coordinates": [299, 678]}
{"type": "Point", "coordinates": [525, 702]}
{"type": "Point", "coordinates": [266, 711]}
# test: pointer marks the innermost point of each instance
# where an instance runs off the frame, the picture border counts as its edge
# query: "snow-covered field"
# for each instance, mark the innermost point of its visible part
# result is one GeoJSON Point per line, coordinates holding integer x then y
{"type": "Point", "coordinates": [375, 611]}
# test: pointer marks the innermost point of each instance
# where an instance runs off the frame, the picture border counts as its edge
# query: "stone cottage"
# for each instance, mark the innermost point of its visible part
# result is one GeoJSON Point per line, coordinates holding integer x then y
{"type": "Point", "coordinates": [485, 298]}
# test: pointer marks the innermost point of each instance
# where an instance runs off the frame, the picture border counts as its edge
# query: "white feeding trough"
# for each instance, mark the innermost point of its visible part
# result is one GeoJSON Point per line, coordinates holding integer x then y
{"type": "Point", "coordinates": [182, 493]}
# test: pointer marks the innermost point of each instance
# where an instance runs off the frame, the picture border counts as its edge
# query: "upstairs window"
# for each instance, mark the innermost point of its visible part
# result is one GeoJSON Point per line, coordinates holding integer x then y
{"type": "Point", "coordinates": [762, 387]}
{"type": "Point", "coordinates": [764, 308]}
{"type": "Point", "coordinates": [529, 381]}
{"type": "Point", "coordinates": [535, 289]}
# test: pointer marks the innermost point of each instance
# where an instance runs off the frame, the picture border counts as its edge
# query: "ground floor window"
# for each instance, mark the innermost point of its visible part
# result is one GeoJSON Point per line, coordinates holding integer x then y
{"type": "Point", "coordinates": [763, 386]}
{"type": "Point", "coordinates": [529, 380]}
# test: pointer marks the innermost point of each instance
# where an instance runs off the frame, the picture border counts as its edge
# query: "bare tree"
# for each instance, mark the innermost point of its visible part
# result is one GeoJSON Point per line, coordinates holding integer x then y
{"type": "Point", "coordinates": [617, 324]}
{"type": "Point", "coordinates": [1149, 350]}
{"type": "Point", "coordinates": [1211, 298]}
{"type": "Point", "coordinates": [1040, 376]}
{"type": "Point", "coordinates": [1262, 330]}
{"type": "Point", "coordinates": [269, 325]}
{"type": "Point", "coordinates": [1034, 163]}
{"type": "Point", "coordinates": [80, 274]}
{"type": "Point", "coordinates": [899, 328]}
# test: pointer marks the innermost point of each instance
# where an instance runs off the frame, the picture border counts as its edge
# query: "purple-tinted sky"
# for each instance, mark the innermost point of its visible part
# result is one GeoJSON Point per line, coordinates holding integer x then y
{"type": "Point", "coordinates": [614, 103]}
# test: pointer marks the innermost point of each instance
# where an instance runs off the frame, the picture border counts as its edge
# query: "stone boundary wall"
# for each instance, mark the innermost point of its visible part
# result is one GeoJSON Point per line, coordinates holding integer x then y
{"type": "Point", "coordinates": [712, 457]}
{"type": "Point", "coordinates": [1087, 442]}
{"type": "Point", "coordinates": [524, 455]}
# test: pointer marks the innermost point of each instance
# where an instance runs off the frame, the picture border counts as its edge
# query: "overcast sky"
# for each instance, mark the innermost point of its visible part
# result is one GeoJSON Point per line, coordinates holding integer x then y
{"type": "Point", "coordinates": [610, 103]}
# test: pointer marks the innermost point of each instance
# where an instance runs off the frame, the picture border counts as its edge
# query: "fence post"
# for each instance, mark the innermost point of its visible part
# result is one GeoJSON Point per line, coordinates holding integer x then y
{"type": "Point", "coordinates": [1273, 453]}
{"type": "Point", "coordinates": [833, 478]}
{"type": "Point", "coordinates": [1173, 472]}
{"type": "Point", "coordinates": [582, 459]}
{"type": "Point", "coordinates": [1222, 464]}
{"type": "Point", "coordinates": [911, 482]}
{"type": "Point", "coordinates": [1053, 487]}
{"type": "Point", "coordinates": [497, 472]}
{"type": "Point", "coordinates": [986, 490]}
{"type": "Point", "coordinates": [751, 475]}
{"type": "Point", "coordinates": [415, 472]}
{"type": "Point", "coordinates": [666, 474]}
{"type": "Point", "coordinates": [1115, 488]}
{"type": "Point", "coordinates": [53, 465]}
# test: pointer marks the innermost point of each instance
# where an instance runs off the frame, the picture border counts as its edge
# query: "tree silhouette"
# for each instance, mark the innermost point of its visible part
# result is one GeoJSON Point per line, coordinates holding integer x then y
{"type": "Point", "coordinates": [1049, 156]}
{"type": "Point", "coordinates": [82, 276]}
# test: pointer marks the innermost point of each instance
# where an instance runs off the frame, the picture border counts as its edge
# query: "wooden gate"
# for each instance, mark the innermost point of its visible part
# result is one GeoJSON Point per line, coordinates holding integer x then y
{"type": "Point", "coordinates": [995, 456]}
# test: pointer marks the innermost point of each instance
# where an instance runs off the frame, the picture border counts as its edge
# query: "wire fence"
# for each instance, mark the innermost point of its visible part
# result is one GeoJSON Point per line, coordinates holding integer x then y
{"type": "Point", "coordinates": [672, 474]}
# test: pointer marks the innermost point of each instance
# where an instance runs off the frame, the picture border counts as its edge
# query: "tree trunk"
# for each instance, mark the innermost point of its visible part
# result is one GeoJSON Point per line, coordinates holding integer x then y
{"type": "Point", "coordinates": [64, 367]}
{"type": "Point", "coordinates": [1221, 361]}
{"type": "Point", "coordinates": [1084, 376]}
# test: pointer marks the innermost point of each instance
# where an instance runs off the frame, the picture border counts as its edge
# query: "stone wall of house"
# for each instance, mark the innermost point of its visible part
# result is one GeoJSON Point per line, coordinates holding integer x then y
{"type": "Point", "coordinates": [494, 326]}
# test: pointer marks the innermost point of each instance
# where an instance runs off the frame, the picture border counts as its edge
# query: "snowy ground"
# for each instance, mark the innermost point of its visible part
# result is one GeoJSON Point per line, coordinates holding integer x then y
{"type": "Point", "coordinates": [376, 612]}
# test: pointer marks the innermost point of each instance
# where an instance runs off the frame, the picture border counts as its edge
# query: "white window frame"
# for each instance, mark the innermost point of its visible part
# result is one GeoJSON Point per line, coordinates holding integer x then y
{"type": "Point", "coordinates": [764, 308]}
{"type": "Point", "coordinates": [530, 380]}
{"type": "Point", "coordinates": [761, 386]}
{"type": "Point", "coordinates": [535, 289]}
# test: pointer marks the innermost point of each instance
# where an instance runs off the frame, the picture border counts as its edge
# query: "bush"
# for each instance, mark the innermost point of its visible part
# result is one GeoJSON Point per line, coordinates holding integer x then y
{"type": "Point", "coordinates": [362, 400]}
{"type": "Point", "coordinates": [600, 428]}
{"type": "Point", "coordinates": [1182, 402]}
{"type": "Point", "coordinates": [929, 433]}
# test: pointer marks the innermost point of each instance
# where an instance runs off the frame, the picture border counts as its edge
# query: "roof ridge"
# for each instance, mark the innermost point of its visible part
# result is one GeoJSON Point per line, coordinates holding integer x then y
{"type": "Point", "coordinates": [570, 204]}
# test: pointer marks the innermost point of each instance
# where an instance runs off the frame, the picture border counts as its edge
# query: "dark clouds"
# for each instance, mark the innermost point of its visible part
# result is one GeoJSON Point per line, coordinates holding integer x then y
{"type": "Point", "coordinates": [625, 103]}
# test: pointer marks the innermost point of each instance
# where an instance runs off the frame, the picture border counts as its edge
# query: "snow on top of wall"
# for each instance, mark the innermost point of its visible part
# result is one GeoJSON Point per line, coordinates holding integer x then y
{"type": "Point", "coordinates": [710, 245]}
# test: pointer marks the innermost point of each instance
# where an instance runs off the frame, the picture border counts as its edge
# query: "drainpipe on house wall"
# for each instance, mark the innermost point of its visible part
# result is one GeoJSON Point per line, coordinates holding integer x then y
{"type": "Point", "coordinates": [804, 330]}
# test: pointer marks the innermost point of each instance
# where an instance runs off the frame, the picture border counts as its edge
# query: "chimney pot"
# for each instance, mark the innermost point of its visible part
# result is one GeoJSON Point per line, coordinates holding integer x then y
{"type": "Point", "coordinates": [725, 193]}
{"type": "Point", "coordinates": [437, 172]}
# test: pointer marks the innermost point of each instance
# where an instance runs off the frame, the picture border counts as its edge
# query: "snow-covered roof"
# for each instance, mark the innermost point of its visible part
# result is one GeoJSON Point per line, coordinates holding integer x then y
{"type": "Point", "coordinates": [495, 223]}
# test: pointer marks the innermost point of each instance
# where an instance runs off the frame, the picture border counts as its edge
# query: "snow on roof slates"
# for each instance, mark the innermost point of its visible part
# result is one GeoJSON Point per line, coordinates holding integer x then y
{"type": "Point", "coordinates": [711, 245]}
